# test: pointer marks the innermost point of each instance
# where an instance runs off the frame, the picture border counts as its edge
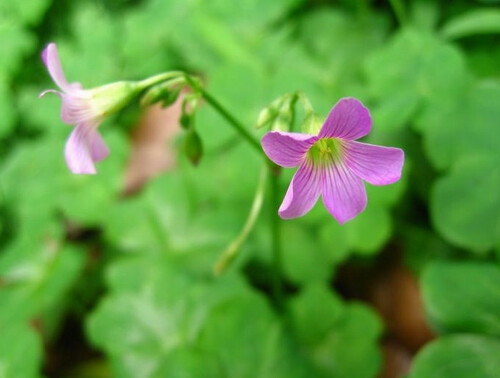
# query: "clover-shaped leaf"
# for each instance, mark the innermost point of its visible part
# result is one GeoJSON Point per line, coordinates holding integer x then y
{"type": "Point", "coordinates": [159, 320]}
{"type": "Point", "coordinates": [36, 273]}
{"type": "Point", "coordinates": [465, 202]}
{"type": "Point", "coordinates": [336, 336]}
{"type": "Point", "coordinates": [20, 351]}
{"type": "Point", "coordinates": [82, 198]}
{"type": "Point", "coordinates": [454, 304]}
{"type": "Point", "coordinates": [415, 68]}
{"type": "Point", "coordinates": [460, 356]}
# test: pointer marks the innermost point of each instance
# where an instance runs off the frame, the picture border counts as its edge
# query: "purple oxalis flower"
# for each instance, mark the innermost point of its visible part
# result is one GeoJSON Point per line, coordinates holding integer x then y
{"type": "Point", "coordinates": [332, 163]}
{"type": "Point", "coordinates": [86, 109]}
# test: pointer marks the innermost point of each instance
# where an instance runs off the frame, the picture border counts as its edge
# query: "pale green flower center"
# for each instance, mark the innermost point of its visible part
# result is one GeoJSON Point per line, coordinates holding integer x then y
{"type": "Point", "coordinates": [326, 150]}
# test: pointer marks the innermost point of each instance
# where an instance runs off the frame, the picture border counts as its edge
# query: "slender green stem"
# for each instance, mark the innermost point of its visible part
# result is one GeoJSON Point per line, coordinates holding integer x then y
{"type": "Point", "coordinates": [230, 253]}
{"type": "Point", "coordinates": [239, 127]}
{"type": "Point", "coordinates": [278, 290]}
{"type": "Point", "coordinates": [233, 121]}
{"type": "Point", "coordinates": [143, 84]}
{"type": "Point", "coordinates": [197, 87]}
{"type": "Point", "coordinates": [399, 10]}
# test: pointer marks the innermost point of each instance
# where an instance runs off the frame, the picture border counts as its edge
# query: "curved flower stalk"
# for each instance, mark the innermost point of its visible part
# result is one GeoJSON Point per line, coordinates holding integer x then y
{"type": "Point", "coordinates": [231, 251]}
{"type": "Point", "coordinates": [332, 164]}
{"type": "Point", "coordinates": [86, 109]}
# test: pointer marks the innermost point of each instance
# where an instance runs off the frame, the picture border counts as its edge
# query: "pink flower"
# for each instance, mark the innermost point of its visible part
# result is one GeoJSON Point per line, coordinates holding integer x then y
{"type": "Point", "coordinates": [85, 109]}
{"type": "Point", "coordinates": [333, 164]}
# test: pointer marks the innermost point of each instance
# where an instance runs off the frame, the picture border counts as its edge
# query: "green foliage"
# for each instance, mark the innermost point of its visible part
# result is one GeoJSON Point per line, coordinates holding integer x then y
{"type": "Point", "coordinates": [160, 320]}
{"type": "Point", "coordinates": [28, 13]}
{"type": "Point", "coordinates": [463, 297]}
{"type": "Point", "coordinates": [428, 72]}
{"type": "Point", "coordinates": [17, 42]}
{"type": "Point", "coordinates": [474, 224]}
{"type": "Point", "coordinates": [166, 302]}
{"type": "Point", "coordinates": [36, 279]}
{"type": "Point", "coordinates": [457, 120]}
{"type": "Point", "coordinates": [36, 180]}
{"type": "Point", "coordinates": [468, 121]}
{"type": "Point", "coordinates": [9, 116]}
{"type": "Point", "coordinates": [263, 347]}
{"type": "Point", "coordinates": [20, 351]}
{"type": "Point", "coordinates": [478, 21]}
{"type": "Point", "coordinates": [473, 157]}
{"type": "Point", "coordinates": [192, 146]}
{"type": "Point", "coordinates": [187, 324]}
{"type": "Point", "coordinates": [336, 336]}
{"type": "Point", "coordinates": [458, 356]}
{"type": "Point", "coordinates": [368, 233]}
{"type": "Point", "coordinates": [432, 88]}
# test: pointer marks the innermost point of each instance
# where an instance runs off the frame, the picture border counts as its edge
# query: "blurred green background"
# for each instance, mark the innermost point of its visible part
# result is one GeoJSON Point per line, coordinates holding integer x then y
{"type": "Point", "coordinates": [96, 283]}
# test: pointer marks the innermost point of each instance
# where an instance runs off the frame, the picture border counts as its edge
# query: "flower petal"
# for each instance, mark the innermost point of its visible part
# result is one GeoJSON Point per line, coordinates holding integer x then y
{"type": "Point", "coordinates": [51, 60]}
{"type": "Point", "coordinates": [302, 193]}
{"type": "Point", "coordinates": [78, 150]}
{"type": "Point", "coordinates": [343, 192]}
{"type": "Point", "coordinates": [75, 109]}
{"type": "Point", "coordinates": [98, 148]}
{"type": "Point", "coordinates": [348, 119]}
{"type": "Point", "coordinates": [376, 164]}
{"type": "Point", "coordinates": [287, 149]}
